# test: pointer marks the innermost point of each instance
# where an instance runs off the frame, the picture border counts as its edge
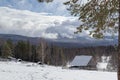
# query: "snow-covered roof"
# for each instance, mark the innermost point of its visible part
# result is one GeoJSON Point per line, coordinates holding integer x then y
{"type": "Point", "coordinates": [81, 60]}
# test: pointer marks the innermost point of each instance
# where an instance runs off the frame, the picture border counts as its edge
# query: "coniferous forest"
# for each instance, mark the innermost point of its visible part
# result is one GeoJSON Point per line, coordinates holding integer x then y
{"type": "Point", "coordinates": [53, 55]}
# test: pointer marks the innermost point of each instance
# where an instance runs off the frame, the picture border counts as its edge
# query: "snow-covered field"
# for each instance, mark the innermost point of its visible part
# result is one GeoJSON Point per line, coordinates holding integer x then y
{"type": "Point", "coordinates": [32, 71]}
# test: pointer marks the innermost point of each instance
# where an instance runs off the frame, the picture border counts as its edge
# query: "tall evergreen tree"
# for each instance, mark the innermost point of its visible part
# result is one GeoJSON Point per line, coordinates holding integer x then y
{"type": "Point", "coordinates": [34, 53]}
{"type": "Point", "coordinates": [11, 45]}
{"type": "Point", "coordinates": [23, 50]}
{"type": "Point", "coordinates": [42, 50]}
{"type": "Point", "coordinates": [29, 50]}
{"type": "Point", "coordinates": [6, 51]}
{"type": "Point", "coordinates": [38, 52]}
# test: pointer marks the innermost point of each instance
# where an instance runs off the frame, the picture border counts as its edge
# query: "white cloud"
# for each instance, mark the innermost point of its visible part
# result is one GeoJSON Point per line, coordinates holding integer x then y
{"type": "Point", "coordinates": [56, 7]}
{"type": "Point", "coordinates": [33, 24]}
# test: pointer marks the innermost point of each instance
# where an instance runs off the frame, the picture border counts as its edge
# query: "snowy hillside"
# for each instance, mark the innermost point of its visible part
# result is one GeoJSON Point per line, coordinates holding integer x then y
{"type": "Point", "coordinates": [32, 71]}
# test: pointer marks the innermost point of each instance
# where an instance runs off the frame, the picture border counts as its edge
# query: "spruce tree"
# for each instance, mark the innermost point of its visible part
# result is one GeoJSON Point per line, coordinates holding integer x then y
{"type": "Point", "coordinates": [6, 51]}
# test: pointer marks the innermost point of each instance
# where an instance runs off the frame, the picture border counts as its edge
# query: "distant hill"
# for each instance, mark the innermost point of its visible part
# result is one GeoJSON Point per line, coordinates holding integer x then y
{"type": "Point", "coordinates": [1, 41]}
{"type": "Point", "coordinates": [16, 38]}
{"type": "Point", "coordinates": [64, 42]}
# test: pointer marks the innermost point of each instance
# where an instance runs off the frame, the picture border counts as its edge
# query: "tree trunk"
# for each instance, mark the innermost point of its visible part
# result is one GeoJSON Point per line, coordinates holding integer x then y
{"type": "Point", "coordinates": [119, 45]}
{"type": "Point", "coordinates": [43, 54]}
{"type": "Point", "coordinates": [119, 55]}
{"type": "Point", "coordinates": [43, 46]}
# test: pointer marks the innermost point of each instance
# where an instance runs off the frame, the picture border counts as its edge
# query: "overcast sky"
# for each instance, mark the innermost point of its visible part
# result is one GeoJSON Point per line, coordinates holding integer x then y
{"type": "Point", "coordinates": [31, 18]}
{"type": "Point", "coordinates": [55, 8]}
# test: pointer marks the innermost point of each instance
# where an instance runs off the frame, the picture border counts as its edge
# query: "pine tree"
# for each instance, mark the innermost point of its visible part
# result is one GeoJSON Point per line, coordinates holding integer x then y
{"type": "Point", "coordinates": [41, 51]}
{"type": "Point", "coordinates": [23, 50]}
{"type": "Point", "coordinates": [38, 53]}
{"type": "Point", "coordinates": [11, 45]}
{"type": "Point", "coordinates": [29, 50]}
{"type": "Point", "coordinates": [62, 54]}
{"type": "Point", "coordinates": [34, 54]}
{"type": "Point", "coordinates": [6, 51]}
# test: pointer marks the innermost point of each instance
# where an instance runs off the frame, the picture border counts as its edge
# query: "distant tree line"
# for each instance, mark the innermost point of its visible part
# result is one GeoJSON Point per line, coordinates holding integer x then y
{"type": "Point", "coordinates": [52, 54]}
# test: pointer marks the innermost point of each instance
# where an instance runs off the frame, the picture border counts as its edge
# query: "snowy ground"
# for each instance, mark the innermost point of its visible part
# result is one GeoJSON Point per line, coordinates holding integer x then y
{"type": "Point", "coordinates": [32, 71]}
